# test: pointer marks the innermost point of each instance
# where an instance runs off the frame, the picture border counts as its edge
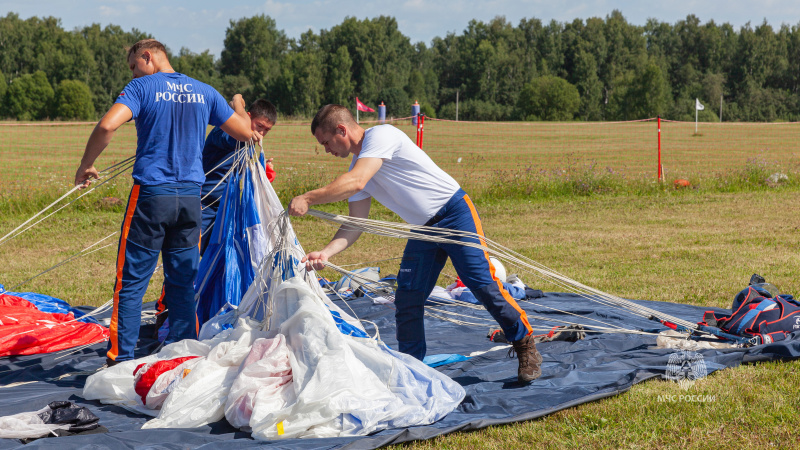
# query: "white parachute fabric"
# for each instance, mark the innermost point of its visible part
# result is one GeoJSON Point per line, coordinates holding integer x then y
{"type": "Point", "coordinates": [168, 382]}
{"type": "Point", "coordinates": [225, 319]}
{"type": "Point", "coordinates": [343, 385]}
{"type": "Point", "coordinates": [200, 397]}
{"type": "Point", "coordinates": [115, 385]}
{"type": "Point", "coordinates": [265, 379]}
{"type": "Point", "coordinates": [28, 425]}
{"type": "Point", "coordinates": [268, 207]}
{"type": "Point", "coordinates": [303, 378]}
{"type": "Point", "coordinates": [273, 248]}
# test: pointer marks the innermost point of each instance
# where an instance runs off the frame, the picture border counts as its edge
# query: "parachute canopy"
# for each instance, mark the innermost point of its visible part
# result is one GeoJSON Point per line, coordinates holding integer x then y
{"type": "Point", "coordinates": [33, 323]}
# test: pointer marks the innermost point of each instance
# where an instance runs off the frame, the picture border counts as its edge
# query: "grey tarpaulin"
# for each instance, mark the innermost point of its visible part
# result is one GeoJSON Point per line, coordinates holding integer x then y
{"type": "Point", "coordinates": [600, 366]}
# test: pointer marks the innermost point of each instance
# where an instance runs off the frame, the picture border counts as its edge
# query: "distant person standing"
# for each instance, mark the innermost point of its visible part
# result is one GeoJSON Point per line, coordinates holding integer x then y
{"type": "Point", "coordinates": [163, 215]}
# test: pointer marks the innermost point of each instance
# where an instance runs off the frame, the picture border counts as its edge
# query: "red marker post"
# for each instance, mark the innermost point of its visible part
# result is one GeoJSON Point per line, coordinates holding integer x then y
{"type": "Point", "coordinates": [660, 170]}
{"type": "Point", "coordinates": [420, 129]}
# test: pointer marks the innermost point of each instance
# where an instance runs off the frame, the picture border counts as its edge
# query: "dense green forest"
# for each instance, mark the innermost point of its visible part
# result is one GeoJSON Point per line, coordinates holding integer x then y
{"type": "Point", "coordinates": [597, 69]}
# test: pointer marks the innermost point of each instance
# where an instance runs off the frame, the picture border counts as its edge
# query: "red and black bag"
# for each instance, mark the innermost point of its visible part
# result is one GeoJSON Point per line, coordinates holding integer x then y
{"type": "Point", "coordinates": [755, 314]}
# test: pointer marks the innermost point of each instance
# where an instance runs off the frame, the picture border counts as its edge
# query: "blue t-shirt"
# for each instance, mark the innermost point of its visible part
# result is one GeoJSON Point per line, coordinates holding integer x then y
{"type": "Point", "coordinates": [171, 112]}
{"type": "Point", "coordinates": [217, 161]}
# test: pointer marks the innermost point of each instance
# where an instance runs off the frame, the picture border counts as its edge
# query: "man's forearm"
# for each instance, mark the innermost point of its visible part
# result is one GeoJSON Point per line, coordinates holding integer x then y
{"type": "Point", "coordinates": [117, 115]}
{"type": "Point", "coordinates": [341, 240]}
{"type": "Point", "coordinates": [343, 187]}
{"type": "Point", "coordinates": [98, 141]}
{"type": "Point", "coordinates": [238, 106]}
{"type": "Point", "coordinates": [238, 124]}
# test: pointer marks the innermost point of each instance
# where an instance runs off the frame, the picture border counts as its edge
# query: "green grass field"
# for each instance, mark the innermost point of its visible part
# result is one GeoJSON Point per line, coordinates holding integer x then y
{"type": "Point", "coordinates": [473, 152]}
{"type": "Point", "coordinates": [621, 234]}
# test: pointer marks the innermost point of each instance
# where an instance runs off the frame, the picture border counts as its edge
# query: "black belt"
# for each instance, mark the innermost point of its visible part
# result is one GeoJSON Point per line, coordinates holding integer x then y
{"type": "Point", "coordinates": [434, 220]}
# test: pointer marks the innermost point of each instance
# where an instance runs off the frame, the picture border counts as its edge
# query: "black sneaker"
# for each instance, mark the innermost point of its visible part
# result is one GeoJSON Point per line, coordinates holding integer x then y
{"type": "Point", "coordinates": [530, 360]}
{"type": "Point", "coordinates": [111, 363]}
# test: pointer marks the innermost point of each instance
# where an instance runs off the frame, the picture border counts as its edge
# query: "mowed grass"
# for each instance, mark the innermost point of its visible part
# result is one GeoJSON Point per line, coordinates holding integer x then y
{"type": "Point", "coordinates": [475, 153]}
{"type": "Point", "coordinates": [623, 234]}
{"type": "Point", "coordinates": [681, 246]}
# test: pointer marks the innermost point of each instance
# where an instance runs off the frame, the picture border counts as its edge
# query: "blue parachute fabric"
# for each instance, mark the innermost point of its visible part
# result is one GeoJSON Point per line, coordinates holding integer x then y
{"type": "Point", "coordinates": [227, 268]}
{"type": "Point", "coordinates": [443, 359]}
{"type": "Point", "coordinates": [249, 220]}
{"type": "Point", "coordinates": [346, 328]}
{"type": "Point", "coordinates": [285, 264]}
{"type": "Point", "coordinates": [48, 304]}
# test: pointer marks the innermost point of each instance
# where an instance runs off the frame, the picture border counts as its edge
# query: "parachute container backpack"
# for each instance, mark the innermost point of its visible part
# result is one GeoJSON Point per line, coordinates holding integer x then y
{"type": "Point", "coordinates": [757, 314]}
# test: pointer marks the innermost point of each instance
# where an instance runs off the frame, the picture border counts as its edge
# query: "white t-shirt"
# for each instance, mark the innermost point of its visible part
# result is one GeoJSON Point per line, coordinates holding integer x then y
{"type": "Point", "coordinates": [408, 182]}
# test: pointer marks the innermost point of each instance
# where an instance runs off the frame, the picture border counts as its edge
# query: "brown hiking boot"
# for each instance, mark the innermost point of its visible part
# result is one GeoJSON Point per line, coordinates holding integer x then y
{"type": "Point", "coordinates": [530, 360]}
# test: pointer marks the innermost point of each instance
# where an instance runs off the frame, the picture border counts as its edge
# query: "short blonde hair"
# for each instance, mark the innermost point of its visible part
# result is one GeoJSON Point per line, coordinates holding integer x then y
{"type": "Point", "coordinates": [146, 44]}
{"type": "Point", "coordinates": [330, 116]}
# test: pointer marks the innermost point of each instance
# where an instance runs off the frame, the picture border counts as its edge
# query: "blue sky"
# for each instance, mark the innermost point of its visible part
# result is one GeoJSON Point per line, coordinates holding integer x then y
{"type": "Point", "coordinates": [200, 24]}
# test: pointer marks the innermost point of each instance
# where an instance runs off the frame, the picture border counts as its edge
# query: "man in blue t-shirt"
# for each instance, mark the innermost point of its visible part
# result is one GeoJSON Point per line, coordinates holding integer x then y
{"type": "Point", "coordinates": [171, 112]}
{"type": "Point", "coordinates": [218, 160]}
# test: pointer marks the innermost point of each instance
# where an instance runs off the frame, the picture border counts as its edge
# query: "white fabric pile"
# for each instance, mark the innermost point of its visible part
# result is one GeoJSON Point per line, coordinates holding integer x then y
{"type": "Point", "coordinates": [302, 378]}
{"type": "Point", "coordinates": [28, 425]}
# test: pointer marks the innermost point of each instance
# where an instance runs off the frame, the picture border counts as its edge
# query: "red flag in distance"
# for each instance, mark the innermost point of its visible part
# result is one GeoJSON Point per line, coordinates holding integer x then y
{"type": "Point", "coordinates": [363, 107]}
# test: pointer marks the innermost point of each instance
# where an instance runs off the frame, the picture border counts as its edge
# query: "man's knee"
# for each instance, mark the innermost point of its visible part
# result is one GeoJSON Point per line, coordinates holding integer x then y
{"type": "Point", "coordinates": [180, 266]}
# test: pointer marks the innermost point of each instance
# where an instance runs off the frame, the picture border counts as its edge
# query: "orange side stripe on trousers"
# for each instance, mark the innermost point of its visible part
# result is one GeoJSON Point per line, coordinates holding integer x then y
{"type": "Point", "coordinates": [160, 306]}
{"type": "Point", "coordinates": [126, 227]}
{"type": "Point", "coordinates": [503, 291]}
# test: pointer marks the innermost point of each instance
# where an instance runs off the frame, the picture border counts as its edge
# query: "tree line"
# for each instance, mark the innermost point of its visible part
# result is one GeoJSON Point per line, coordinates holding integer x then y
{"type": "Point", "coordinates": [593, 69]}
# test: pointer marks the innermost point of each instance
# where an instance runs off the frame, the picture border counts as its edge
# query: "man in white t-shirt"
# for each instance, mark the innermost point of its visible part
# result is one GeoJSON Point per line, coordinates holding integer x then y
{"type": "Point", "coordinates": [388, 167]}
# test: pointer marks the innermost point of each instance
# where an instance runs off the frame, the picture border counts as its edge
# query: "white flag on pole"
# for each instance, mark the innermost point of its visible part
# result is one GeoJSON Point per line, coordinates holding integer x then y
{"type": "Point", "coordinates": [698, 106]}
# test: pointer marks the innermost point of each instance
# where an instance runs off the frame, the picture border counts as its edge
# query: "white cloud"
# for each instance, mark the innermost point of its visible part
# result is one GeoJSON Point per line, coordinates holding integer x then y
{"type": "Point", "coordinates": [107, 11]}
{"type": "Point", "coordinates": [414, 4]}
{"type": "Point", "coordinates": [273, 8]}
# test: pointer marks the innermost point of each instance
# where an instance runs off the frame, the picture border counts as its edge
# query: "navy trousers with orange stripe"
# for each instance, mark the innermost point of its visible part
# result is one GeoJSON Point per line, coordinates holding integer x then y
{"type": "Point", "coordinates": [423, 261]}
{"type": "Point", "coordinates": [159, 219]}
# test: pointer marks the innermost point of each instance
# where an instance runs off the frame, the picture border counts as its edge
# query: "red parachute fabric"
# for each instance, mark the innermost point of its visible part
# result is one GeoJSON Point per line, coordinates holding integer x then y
{"type": "Point", "coordinates": [270, 173]}
{"type": "Point", "coordinates": [144, 381]}
{"type": "Point", "coordinates": [24, 330]}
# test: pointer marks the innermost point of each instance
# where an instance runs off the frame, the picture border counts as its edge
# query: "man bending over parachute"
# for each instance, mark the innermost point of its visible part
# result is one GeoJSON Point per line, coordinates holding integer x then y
{"type": "Point", "coordinates": [389, 167]}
